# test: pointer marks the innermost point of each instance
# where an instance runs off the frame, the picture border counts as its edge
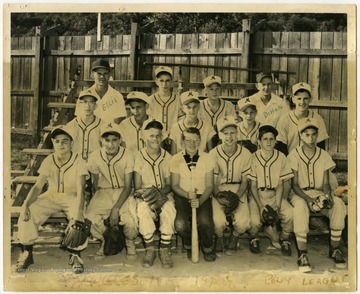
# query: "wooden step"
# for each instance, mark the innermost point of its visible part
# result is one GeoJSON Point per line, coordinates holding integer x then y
{"type": "Point", "coordinates": [34, 151]}
{"type": "Point", "coordinates": [15, 173]}
{"type": "Point", "coordinates": [61, 105]}
{"type": "Point", "coordinates": [25, 180]}
{"type": "Point", "coordinates": [48, 128]}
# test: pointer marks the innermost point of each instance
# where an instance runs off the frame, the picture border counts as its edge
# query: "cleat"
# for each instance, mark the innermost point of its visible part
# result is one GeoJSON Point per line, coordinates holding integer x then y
{"type": "Point", "coordinates": [254, 245]}
{"type": "Point", "coordinates": [285, 247]}
{"type": "Point", "coordinates": [303, 263]}
{"type": "Point", "coordinates": [25, 259]}
{"type": "Point", "coordinates": [210, 256]}
{"type": "Point", "coordinates": [272, 233]}
{"type": "Point", "coordinates": [219, 244]}
{"type": "Point", "coordinates": [232, 246]}
{"type": "Point", "coordinates": [337, 256]}
{"type": "Point", "coordinates": [165, 258]}
{"type": "Point", "coordinates": [77, 263]}
{"type": "Point", "coordinates": [149, 258]}
{"type": "Point", "coordinates": [131, 253]}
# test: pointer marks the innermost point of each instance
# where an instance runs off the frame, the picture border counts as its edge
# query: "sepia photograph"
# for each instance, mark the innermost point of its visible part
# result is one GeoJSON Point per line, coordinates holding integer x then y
{"type": "Point", "coordinates": [179, 148]}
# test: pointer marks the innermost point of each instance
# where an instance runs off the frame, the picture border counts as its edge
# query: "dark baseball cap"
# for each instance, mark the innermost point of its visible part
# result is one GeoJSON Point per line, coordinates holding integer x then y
{"type": "Point", "coordinates": [100, 63]}
{"type": "Point", "coordinates": [268, 129]}
{"type": "Point", "coordinates": [262, 75]}
{"type": "Point", "coordinates": [61, 130]}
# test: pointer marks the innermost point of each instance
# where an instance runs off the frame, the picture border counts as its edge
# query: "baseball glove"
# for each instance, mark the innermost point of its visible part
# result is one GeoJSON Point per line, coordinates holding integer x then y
{"type": "Point", "coordinates": [76, 233]}
{"type": "Point", "coordinates": [153, 197]}
{"type": "Point", "coordinates": [270, 216]}
{"type": "Point", "coordinates": [114, 238]}
{"type": "Point", "coordinates": [229, 200]}
{"type": "Point", "coordinates": [320, 200]}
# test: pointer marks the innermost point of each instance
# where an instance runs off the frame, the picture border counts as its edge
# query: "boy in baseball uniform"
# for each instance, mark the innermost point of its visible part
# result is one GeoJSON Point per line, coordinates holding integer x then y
{"type": "Point", "coordinates": [165, 104]}
{"type": "Point", "coordinates": [190, 105]}
{"type": "Point", "coordinates": [248, 127]}
{"type": "Point", "coordinates": [112, 167]}
{"type": "Point", "coordinates": [232, 164]}
{"type": "Point", "coordinates": [269, 171]}
{"type": "Point", "coordinates": [192, 181]}
{"type": "Point", "coordinates": [311, 166]}
{"type": "Point", "coordinates": [65, 173]}
{"type": "Point", "coordinates": [269, 106]}
{"type": "Point", "coordinates": [111, 106]}
{"type": "Point", "coordinates": [152, 168]}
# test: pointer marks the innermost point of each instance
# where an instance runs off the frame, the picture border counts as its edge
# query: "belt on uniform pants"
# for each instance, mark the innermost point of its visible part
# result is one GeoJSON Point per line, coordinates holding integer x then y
{"type": "Point", "coordinates": [308, 188]}
{"type": "Point", "coordinates": [266, 189]}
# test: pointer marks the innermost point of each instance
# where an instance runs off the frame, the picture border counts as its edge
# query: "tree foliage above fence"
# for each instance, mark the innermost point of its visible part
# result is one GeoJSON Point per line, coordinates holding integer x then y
{"type": "Point", "coordinates": [67, 24]}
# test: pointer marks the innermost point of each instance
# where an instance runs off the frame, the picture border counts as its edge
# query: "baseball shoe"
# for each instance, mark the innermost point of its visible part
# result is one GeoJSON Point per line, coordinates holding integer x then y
{"type": "Point", "coordinates": [285, 247]}
{"type": "Point", "coordinates": [149, 257]}
{"type": "Point", "coordinates": [337, 256]}
{"type": "Point", "coordinates": [165, 258]}
{"type": "Point", "coordinates": [131, 253]}
{"type": "Point", "coordinates": [25, 259]}
{"type": "Point", "coordinates": [272, 233]}
{"type": "Point", "coordinates": [254, 245]}
{"type": "Point", "coordinates": [210, 256]}
{"type": "Point", "coordinates": [77, 263]}
{"type": "Point", "coordinates": [232, 246]}
{"type": "Point", "coordinates": [219, 244]}
{"type": "Point", "coordinates": [303, 263]}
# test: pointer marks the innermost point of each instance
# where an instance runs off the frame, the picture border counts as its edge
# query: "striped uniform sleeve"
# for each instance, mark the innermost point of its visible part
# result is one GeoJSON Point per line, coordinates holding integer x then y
{"type": "Point", "coordinates": [175, 164]}
{"type": "Point", "coordinates": [92, 165]}
{"type": "Point", "coordinates": [166, 166]}
{"type": "Point", "coordinates": [323, 135]}
{"type": "Point", "coordinates": [212, 155]}
{"type": "Point", "coordinates": [130, 160]}
{"type": "Point", "coordinates": [252, 176]}
{"type": "Point", "coordinates": [292, 160]}
{"type": "Point", "coordinates": [81, 169]}
{"type": "Point", "coordinates": [247, 162]}
{"type": "Point", "coordinates": [138, 166]}
{"type": "Point", "coordinates": [329, 162]}
{"type": "Point", "coordinates": [45, 166]}
{"type": "Point", "coordinates": [286, 172]}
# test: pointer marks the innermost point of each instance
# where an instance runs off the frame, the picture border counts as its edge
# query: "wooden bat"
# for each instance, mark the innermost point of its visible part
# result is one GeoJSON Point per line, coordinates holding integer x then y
{"type": "Point", "coordinates": [194, 231]}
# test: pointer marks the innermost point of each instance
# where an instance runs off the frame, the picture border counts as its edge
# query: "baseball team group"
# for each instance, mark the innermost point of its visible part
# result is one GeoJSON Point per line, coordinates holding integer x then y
{"type": "Point", "coordinates": [190, 154]}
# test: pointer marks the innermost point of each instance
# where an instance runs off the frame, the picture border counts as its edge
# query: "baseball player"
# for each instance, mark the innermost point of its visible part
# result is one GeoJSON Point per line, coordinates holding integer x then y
{"type": "Point", "coordinates": [192, 181]}
{"type": "Point", "coordinates": [248, 127]}
{"type": "Point", "coordinates": [232, 164]}
{"type": "Point", "coordinates": [130, 127]}
{"type": "Point", "coordinates": [190, 105]}
{"type": "Point", "coordinates": [65, 173]}
{"type": "Point", "coordinates": [311, 166]}
{"type": "Point", "coordinates": [165, 104]}
{"type": "Point", "coordinates": [269, 106]}
{"type": "Point", "coordinates": [152, 168]}
{"type": "Point", "coordinates": [112, 167]}
{"type": "Point", "coordinates": [269, 171]}
{"type": "Point", "coordinates": [111, 106]}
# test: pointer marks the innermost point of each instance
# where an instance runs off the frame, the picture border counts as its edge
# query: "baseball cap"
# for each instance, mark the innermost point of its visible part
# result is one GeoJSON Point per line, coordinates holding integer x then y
{"type": "Point", "coordinates": [62, 130]}
{"type": "Point", "coordinates": [226, 121]}
{"type": "Point", "coordinates": [100, 63]}
{"type": "Point", "coordinates": [152, 123]}
{"type": "Point", "coordinates": [301, 86]}
{"type": "Point", "coordinates": [262, 75]}
{"type": "Point", "coordinates": [307, 122]}
{"type": "Point", "coordinates": [137, 96]}
{"type": "Point", "coordinates": [88, 93]}
{"type": "Point", "coordinates": [189, 96]}
{"type": "Point", "coordinates": [211, 80]}
{"type": "Point", "coordinates": [111, 128]}
{"type": "Point", "coordinates": [268, 129]}
{"type": "Point", "coordinates": [165, 69]}
{"type": "Point", "coordinates": [245, 103]}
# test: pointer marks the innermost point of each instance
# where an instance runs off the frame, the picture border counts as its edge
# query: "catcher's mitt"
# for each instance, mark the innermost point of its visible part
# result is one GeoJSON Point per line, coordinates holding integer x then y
{"type": "Point", "coordinates": [153, 197]}
{"type": "Point", "coordinates": [76, 233]}
{"type": "Point", "coordinates": [229, 200]}
{"type": "Point", "coordinates": [270, 216]}
{"type": "Point", "coordinates": [114, 238]}
{"type": "Point", "coordinates": [320, 200]}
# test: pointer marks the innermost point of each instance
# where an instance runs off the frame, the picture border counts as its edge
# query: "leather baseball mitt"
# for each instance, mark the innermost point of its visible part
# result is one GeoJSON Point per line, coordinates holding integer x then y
{"type": "Point", "coordinates": [114, 238]}
{"type": "Point", "coordinates": [320, 200]}
{"type": "Point", "coordinates": [153, 197]}
{"type": "Point", "coordinates": [270, 216]}
{"type": "Point", "coordinates": [229, 200]}
{"type": "Point", "coordinates": [76, 233]}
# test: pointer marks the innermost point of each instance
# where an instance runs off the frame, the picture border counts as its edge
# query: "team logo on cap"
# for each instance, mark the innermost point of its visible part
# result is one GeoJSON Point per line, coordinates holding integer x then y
{"type": "Point", "coordinates": [247, 100]}
{"type": "Point", "coordinates": [190, 94]}
{"type": "Point", "coordinates": [213, 78]}
{"type": "Point", "coordinates": [308, 120]}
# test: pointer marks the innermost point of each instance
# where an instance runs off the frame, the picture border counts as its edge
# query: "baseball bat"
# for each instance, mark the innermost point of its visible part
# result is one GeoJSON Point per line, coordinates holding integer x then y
{"type": "Point", "coordinates": [194, 231]}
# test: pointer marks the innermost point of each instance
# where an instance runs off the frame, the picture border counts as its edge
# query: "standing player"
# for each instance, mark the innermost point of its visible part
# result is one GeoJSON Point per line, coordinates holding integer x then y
{"type": "Point", "coordinates": [269, 171]}
{"type": "Point", "coordinates": [110, 102]}
{"type": "Point", "coordinates": [112, 167]}
{"type": "Point", "coordinates": [152, 168]}
{"type": "Point", "coordinates": [65, 173]}
{"type": "Point", "coordinates": [232, 164]}
{"type": "Point", "coordinates": [190, 105]}
{"type": "Point", "coordinates": [311, 166]}
{"type": "Point", "coordinates": [193, 190]}
{"type": "Point", "coordinates": [269, 106]}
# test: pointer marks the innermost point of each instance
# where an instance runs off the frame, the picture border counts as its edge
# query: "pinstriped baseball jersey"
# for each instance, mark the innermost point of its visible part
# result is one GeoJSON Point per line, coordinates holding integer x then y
{"type": "Point", "coordinates": [112, 171]}
{"type": "Point", "coordinates": [226, 108]}
{"type": "Point", "coordinates": [288, 129]}
{"type": "Point", "coordinates": [248, 135]}
{"type": "Point", "coordinates": [86, 138]}
{"type": "Point", "coordinates": [152, 172]}
{"type": "Point", "coordinates": [63, 179]}
{"type": "Point", "coordinates": [269, 172]}
{"type": "Point", "coordinates": [230, 169]}
{"type": "Point", "coordinates": [165, 112]}
{"type": "Point", "coordinates": [310, 170]}
{"type": "Point", "coordinates": [205, 128]}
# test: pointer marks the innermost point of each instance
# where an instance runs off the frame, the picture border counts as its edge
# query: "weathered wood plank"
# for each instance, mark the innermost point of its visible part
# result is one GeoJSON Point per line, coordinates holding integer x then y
{"type": "Point", "coordinates": [304, 60]}
{"type": "Point", "coordinates": [300, 51]}
{"type": "Point", "coordinates": [314, 66]}
{"type": "Point", "coordinates": [293, 61]}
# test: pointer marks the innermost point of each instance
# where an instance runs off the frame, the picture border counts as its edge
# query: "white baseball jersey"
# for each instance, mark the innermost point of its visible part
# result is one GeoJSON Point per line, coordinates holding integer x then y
{"type": "Point", "coordinates": [166, 112]}
{"type": "Point", "coordinates": [226, 108]}
{"type": "Point", "coordinates": [288, 129]}
{"type": "Point", "coordinates": [205, 128]}
{"type": "Point", "coordinates": [63, 179]}
{"type": "Point", "coordinates": [110, 106]}
{"type": "Point", "coordinates": [178, 165]}
{"type": "Point", "coordinates": [230, 169]}
{"type": "Point", "coordinates": [268, 173]}
{"type": "Point", "coordinates": [112, 173]}
{"type": "Point", "coordinates": [86, 138]}
{"type": "Point", "coordinates": [310, 170]}
{"type": "Point", "coordinates": [152, 172]}
{"type": "Point", "coordinates": [248, 135]}
{"type": "Point", "coordinates": [270, 113]}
